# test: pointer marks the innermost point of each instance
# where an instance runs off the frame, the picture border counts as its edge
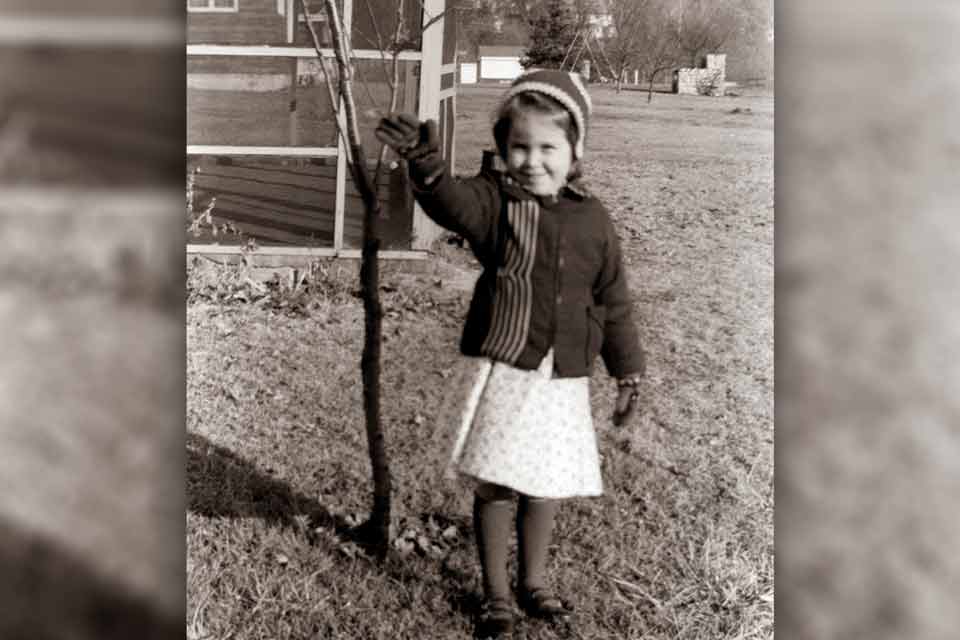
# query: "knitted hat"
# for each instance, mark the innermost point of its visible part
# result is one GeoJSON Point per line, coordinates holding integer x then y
{"type": "Point", "coordinates": [566, 88]}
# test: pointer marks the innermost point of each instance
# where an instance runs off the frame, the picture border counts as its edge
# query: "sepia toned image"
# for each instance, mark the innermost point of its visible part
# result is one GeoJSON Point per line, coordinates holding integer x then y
{"type": "Point", "coordinates": [469, 331]}
{"type": "Point", "coordinates": [480, 319]}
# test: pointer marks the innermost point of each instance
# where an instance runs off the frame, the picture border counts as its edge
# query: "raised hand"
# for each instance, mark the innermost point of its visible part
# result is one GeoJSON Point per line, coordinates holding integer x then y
{"type": "Point", "coordinates": [415, 141]}
{"type": "Point", "coordinates": [400, 132]}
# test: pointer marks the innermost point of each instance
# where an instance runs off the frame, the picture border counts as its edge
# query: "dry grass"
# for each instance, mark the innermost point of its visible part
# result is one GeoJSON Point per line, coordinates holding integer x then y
{"type": "Point", "coordinates": [681, 545]}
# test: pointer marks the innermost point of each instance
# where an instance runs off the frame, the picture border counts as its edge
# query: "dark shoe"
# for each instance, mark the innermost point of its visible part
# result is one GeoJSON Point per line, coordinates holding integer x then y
{"type": "Point", "coordinates": [496, 619]}
{"type": "Point", "coordinates": [542, 603]}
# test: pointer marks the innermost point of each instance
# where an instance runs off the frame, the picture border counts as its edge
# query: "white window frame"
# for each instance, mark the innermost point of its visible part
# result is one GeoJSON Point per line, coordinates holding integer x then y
{"type": "Point", "coordinates": [429, 105]}
{"type": "Point", "coordinates": [210, 8]}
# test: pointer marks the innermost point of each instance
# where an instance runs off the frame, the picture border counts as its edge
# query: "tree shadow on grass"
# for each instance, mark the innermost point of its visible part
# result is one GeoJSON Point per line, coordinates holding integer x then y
{"type": "Point", "coordinates": [222, 484]}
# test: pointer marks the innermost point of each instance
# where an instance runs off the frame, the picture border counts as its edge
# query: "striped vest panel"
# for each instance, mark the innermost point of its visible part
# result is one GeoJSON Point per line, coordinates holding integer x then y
{"type": "Point", "coordinates": [513, 299]}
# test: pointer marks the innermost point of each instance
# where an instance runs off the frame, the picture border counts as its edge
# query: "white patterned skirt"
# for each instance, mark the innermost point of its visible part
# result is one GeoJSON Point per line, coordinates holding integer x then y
{"type": "Point", "coordinates": [526, 430]}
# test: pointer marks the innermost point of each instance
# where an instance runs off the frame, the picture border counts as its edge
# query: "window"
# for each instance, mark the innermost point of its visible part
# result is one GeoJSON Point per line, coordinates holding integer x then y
{"type": "Point", "coordinates": [211, 6]}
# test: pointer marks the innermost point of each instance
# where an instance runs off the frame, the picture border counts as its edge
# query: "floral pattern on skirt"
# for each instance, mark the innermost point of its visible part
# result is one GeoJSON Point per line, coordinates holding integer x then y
{"type": "Point", "coordinates": [528, 431]}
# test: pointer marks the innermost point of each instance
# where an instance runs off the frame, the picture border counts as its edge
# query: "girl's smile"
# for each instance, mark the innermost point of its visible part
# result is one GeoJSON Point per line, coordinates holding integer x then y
{"type": "Point", "coordinates": [539, 155]}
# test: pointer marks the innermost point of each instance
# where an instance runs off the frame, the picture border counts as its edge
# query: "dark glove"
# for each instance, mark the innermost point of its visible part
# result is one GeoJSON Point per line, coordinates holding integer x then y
{"type": "Point", "coordinates": [416, 142]}
{"type": "Point", "coordinates": [627, 396]}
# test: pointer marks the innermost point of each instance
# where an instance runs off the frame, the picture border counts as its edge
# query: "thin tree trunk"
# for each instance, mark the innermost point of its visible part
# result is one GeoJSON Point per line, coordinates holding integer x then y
{"type": "Point", "coordinates": [376, 530]}
{"type": "Point", "coordinates": [378, 526]}
{"type": "Point", "coordinates": [650, 91]}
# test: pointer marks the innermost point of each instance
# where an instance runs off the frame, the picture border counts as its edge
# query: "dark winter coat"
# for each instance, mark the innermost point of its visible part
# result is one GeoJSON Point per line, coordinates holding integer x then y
{"type": "Point", "coordinates": [552, 275]}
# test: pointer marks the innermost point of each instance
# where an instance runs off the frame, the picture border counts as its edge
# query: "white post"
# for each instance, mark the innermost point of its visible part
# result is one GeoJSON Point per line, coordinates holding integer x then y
{"type": "Point", "coordinates": [432, 61]}
{"type": "Point", "coordinates": [291, 20]}
{"type": "Point", "coordinates": [636, 76]}
{"type": "Point", "coordinates": [424, 229]}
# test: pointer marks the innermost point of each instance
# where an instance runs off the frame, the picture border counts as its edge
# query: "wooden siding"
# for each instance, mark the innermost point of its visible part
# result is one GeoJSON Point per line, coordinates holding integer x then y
{"type": "Point", "coordinates": [365, 33]}
{"type": "Point", "coordinates": [253, 101]}
{"type": "Point", "coordinates": [291, 201]}
{"type": "Point", "coordinates": [257, 22]}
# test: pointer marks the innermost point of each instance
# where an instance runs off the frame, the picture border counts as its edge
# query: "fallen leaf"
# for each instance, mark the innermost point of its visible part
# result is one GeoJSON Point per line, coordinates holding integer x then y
{"type": "Point", "coordinates": [423, 543]}
{"type": "Point", "coordinates": [403, 546]}
{"type": "Point", "coordinates": [450, 533]}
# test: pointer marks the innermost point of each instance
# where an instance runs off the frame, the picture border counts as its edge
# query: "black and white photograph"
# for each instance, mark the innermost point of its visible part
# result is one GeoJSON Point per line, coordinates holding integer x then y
{"type": "Point", "coordinates": [480, 319]}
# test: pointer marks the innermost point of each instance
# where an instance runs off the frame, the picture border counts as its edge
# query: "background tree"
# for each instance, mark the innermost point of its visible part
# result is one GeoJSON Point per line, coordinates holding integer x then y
{"type": "Point", "coordinates": [750, 49]}
{"type": "Point", "coordinates": [490, 22]}
{"type": "Point", "coordinates": [622, 45]}
{"type": "Point", "coordinates": [658, 36]}
{"type": "Point", "coordinates": [656, 41]}
{"type": "Point", "coordinates": [553, 26]}
{"type": "Point", "coordinates": [705, 26]}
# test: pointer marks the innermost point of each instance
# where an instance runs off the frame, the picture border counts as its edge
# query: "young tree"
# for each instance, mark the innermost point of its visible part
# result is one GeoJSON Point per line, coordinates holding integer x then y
{"type": "Point", "coordinates": [376, 530]}
{"type": "Point", "coordinates": [656, 42]}
{"type": "Point", "coordinates": [622, 47]}
{"type": "Point", "coordinates": [489, 22]}
{"type": "Point", "coordinates": [475, 22]}
{"type": "Point", "coordinates": [553, 26]}
{"type": "Point", "coordinates": [705, 26]}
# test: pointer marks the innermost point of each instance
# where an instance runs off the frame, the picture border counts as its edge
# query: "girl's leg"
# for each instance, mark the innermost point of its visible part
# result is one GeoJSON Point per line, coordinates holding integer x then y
{"type": "Point", "coordinates": [534, 532]}
{"type": "Point", "coordinates": [535, 518]}
{"type": "Point", "coordinates": [492, 515]}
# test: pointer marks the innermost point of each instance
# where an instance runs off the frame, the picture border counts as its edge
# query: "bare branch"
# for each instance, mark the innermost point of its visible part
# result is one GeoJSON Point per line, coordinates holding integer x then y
{"type": "Point", "coordinates": [376, 28]}
{"type": "Point", "coordinates": [327, 76]}
{"type": "Point", "coordinates": [393, 80]}
{"type": "Point", "coordinates": [342, 52]}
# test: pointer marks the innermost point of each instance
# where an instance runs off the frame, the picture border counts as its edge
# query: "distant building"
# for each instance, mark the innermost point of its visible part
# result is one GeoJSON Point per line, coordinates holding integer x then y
{"type": "Point", "coordinates": [601, 25]}
{"type": "Point", "coordinates": [500, 62]}
{"type": "Point", "coordinates": [708, 79]}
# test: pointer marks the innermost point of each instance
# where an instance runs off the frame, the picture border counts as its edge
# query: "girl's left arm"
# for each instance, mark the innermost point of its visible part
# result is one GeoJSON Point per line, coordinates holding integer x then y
{"type": "Point", "coordinates": [621, 350]}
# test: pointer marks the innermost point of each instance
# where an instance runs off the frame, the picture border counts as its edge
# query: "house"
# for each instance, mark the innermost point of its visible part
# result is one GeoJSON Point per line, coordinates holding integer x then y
{"type": "Point", "coordinates": [500, 62]}
{"type": "Point", "coordinates": [262, 139]}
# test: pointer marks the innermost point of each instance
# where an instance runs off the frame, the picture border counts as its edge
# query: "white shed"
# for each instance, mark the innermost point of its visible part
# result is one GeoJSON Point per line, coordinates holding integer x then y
{"type": "Point", "coordinates": [468, 73]}
{"type": "Point", "coordinates": [500, 62]}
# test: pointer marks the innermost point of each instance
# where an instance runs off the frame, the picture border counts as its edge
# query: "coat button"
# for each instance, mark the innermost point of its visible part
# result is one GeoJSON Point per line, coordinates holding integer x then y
{"type": "Point", "coordinates": [559, 299]}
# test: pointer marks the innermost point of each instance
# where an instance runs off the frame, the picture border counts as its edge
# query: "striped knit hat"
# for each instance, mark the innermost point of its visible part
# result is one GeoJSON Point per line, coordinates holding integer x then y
{"type": "Point", "coordinates": [566, 88]}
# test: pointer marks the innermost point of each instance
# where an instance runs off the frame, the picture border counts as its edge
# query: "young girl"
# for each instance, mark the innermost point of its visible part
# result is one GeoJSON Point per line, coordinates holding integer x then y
{"type": "Point", "coordinates": [551, 297]}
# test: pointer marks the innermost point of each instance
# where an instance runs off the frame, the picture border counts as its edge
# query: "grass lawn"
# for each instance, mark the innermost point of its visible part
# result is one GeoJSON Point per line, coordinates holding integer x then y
{"type": "Point", "coordinates": [680, 545]}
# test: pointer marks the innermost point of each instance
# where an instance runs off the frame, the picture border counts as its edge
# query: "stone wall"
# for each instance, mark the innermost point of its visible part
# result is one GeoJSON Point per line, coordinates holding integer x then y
{"type": "Point", "coordinates": [708, 79]}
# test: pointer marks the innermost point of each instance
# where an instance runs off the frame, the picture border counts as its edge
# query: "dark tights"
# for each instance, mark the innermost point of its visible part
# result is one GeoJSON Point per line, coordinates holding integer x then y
{"type": "Point", "coordinates": [492, 516]}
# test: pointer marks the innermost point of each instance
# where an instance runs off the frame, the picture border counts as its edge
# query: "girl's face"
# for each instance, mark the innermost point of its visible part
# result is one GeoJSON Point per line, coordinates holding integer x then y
{"type": "Point", "coordinates": [539, 155]}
